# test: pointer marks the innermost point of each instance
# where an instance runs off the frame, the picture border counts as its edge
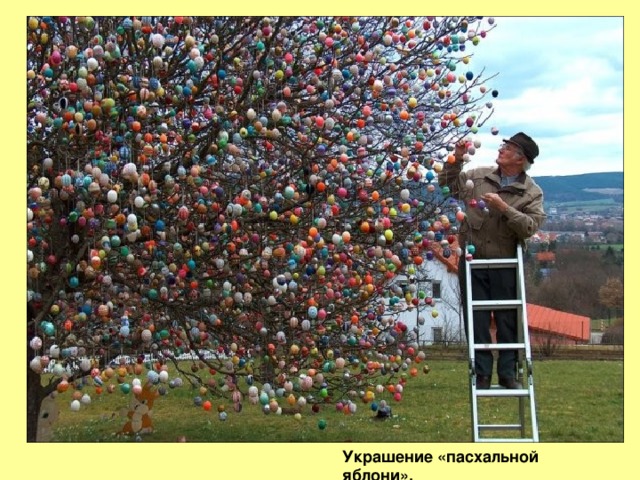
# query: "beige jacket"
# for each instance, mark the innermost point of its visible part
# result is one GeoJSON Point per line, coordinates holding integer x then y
{"type": "Point", "coordinates": [495, 234]}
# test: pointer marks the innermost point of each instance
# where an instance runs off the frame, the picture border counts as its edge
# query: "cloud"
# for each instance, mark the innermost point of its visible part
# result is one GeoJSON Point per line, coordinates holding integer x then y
{"type": "Point", "coordinates": [560, 79]}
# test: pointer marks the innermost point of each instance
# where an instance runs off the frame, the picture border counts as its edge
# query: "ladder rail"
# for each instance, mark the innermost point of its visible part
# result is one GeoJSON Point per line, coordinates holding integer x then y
{"type": "Point", "coordinates": [473, 400]}
{"type": "Point", "coordinates": [523, 297]}
{"type": "Point", "coordinates": [523, 346]}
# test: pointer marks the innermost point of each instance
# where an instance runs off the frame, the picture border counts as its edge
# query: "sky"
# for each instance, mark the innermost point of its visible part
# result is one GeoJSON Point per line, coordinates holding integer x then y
{"type": "Point", "coordinates": [560, 80]}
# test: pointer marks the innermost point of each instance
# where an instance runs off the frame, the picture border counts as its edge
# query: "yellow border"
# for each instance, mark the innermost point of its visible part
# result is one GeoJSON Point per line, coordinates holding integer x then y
{"type": "Point", "coordinates": [324, 461]}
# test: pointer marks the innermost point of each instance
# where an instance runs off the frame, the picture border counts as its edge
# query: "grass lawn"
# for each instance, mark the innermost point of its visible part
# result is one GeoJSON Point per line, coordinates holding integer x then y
{"type": "Point", "coordinates": [577, 401]}
{"type": "Point", "coordinates": [599, 325]}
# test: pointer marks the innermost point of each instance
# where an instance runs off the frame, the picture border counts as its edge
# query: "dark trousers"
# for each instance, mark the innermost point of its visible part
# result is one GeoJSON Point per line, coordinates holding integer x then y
{"type": "Point", "coordinates": [491, 284]}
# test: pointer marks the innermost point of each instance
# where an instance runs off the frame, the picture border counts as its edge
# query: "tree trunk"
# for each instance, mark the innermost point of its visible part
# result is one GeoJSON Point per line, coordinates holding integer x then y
{"type": "Point", "coordinates": [35, 391]}
{"type": "Point", "coordinates": [35, 394]}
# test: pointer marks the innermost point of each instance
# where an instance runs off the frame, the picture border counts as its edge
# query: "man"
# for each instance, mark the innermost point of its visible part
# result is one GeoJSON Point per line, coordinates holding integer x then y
{"type": "Point", "coordinates": [504, 207]}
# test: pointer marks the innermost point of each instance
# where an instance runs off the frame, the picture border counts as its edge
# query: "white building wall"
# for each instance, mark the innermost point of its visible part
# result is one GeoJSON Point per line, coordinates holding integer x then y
{"type": "Point", "coordinates": [448, 306]}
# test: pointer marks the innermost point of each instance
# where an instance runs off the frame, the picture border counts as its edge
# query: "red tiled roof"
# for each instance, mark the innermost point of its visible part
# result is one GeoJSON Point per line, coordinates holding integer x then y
{"type": "Point", "coordinates": [543, 319]}
{"type": "Point", "coordinates": [546, 256]}
{"type": "Point", "coordinates": [452, 262]}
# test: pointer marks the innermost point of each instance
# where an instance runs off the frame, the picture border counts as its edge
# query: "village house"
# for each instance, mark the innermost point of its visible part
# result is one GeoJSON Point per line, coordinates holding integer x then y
{"type": "Point", "coordinates": [437, 319]}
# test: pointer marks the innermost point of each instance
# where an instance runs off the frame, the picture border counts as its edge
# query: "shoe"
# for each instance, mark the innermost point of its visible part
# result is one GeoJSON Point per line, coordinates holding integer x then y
{"type": "Point", "coordinates": [509, 383]}
{"type": "Point", "coordinates": [483, 382]}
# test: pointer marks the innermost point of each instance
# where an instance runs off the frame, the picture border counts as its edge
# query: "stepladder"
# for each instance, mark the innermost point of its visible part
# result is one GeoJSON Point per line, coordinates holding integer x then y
{"type": "Point", "coordinates": [499, 413]}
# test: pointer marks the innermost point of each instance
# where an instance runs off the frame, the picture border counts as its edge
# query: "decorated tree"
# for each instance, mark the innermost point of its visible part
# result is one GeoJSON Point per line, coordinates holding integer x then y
{"type": "Point", "coordinates": [240, 191]}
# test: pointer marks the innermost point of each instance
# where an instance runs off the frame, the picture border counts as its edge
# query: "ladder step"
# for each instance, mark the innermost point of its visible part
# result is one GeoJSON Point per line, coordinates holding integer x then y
{"type": "Point", "coordinates": [502, 392]}
{"type": "Point", "coordinates": [495, 304]}
{"type": "Point", "coordinates": [508, 426]}
{"type": "Point", "coordinates": [499, 346]}
{"type": "Point", "coordinates": [505, 440]}
{"type": "Point", "coordinates": [494, 263]}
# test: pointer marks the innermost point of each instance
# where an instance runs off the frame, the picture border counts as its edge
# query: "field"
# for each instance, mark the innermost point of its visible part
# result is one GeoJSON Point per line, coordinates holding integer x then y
{"type": "Point", "coordinates": [577, 401]}
{"type": "Point", "coordinates": [601, 324]}
{"type": "Point", "coordinates": [585, 205]}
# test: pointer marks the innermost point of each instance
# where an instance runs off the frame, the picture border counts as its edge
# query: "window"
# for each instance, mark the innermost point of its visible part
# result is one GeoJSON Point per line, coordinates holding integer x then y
{"type": "Point", "coordinates": [435, 290]}
{"type": "Point", "coordinates": [436, 332]}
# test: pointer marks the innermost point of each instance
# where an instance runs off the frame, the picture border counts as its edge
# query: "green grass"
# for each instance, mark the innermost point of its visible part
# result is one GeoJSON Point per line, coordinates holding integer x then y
{"type": "Point", "coordinates": [592, 205]}
{"type": "Point", "coordinates": [577, 401]}
{"type": "Point", "coordinates": [598, 324]}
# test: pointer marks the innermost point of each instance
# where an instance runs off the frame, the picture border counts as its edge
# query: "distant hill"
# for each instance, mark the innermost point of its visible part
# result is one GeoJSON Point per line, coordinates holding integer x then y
{"type": "Point", "coordinates": [584, 187]}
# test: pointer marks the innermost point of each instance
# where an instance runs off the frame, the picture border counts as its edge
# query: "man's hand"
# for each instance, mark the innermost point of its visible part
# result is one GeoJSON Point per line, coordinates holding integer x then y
{"type": "Point", "coordinates": [493, 201]}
